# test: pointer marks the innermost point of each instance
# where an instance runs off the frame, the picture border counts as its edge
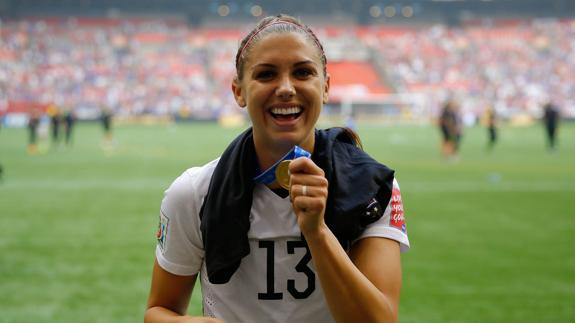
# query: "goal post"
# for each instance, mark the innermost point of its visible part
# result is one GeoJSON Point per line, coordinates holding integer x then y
{"type": "Point", "coordinates": [408, 108]}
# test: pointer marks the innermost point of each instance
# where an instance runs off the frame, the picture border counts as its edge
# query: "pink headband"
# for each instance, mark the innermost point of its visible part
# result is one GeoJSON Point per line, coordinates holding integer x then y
{"type": "Point", "coordinates": [277, 22]}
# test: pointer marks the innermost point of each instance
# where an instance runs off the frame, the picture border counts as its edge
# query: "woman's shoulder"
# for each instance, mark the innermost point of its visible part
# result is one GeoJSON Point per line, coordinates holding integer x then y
{"type": "Point", "coordinates": [200, 174]}
{"type": "Point", "coordinates": [194, 181]}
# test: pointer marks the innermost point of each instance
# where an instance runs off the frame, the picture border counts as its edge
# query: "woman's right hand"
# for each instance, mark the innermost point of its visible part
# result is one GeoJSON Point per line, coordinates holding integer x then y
{"type": "Point", "coordinates": [308, 193]}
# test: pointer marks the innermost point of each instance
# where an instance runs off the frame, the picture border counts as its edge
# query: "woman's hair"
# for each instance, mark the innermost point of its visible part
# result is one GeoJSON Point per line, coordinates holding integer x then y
{"type": "Point", "coordinates": [352, 137]}
{"type": "Point", "coordinates": [275, 24]}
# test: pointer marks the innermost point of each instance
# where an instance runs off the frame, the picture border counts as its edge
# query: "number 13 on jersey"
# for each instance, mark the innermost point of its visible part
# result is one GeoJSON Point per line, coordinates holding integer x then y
{"type": "Point", "coordinates": [301, 268]}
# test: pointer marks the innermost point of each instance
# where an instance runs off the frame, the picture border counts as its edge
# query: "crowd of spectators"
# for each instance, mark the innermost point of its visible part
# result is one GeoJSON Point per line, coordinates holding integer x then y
{"type": "Point", "coordinates": [163, 67]}
{"type": "Point", "coordinates": [131, 67]}
{"type": "Point", "coordinates": [515, 66]}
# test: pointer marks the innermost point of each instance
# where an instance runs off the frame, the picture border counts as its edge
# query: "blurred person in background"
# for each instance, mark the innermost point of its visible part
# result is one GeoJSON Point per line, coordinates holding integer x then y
{"type": "Point", "coordinates": [106, 121]}
{"type": "Point", "coordinates": [55, 119]}
{"type": "Point", "coordinates": [450, 127]}
{"type": "Point", "coordinates": [491, 125]}
{"type": "Point", "coordinates": [271, 249]}
{"type": "Point", "coordinates": [69, 120]}
{"type": "Point", "coordinates": [551, 120]}
{"type": "Point", "coordinates": [350, 121]}
{"type": "Point", "coordinates": [33, 123]}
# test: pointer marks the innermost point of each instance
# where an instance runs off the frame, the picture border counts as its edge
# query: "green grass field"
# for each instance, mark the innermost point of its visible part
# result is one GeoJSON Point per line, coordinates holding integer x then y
{"type": "Point", "coordinates": [493, 235]}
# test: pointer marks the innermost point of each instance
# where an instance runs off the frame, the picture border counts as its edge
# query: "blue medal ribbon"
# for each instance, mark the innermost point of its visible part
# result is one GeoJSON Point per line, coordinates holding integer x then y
{"type": "Point", "coordinates": [269, 175]}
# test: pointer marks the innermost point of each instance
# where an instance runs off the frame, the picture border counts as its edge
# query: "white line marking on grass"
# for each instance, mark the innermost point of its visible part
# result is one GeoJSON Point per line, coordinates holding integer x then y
{"type": "Point", "coordinates": [523, 186]}
{"type": "Point", "coordinates": [406, 186]}
{"type": "Point", "coordinates": [109, 184]}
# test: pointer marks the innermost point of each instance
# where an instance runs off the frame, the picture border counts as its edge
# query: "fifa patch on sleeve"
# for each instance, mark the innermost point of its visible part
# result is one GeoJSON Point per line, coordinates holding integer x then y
{"type": "Point", "coordinates": [162, 231]}
{"type": "Point", "coordinates": [397, 218]}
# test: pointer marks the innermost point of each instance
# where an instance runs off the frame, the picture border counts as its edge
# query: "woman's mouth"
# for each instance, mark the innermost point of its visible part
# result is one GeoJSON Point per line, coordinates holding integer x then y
{"type": "Point", "coordinates": [286, 113]}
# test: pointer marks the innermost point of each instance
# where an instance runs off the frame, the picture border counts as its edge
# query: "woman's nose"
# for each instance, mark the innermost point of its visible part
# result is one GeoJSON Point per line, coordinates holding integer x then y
{"type": "Point", "coordinates": [285, 89]}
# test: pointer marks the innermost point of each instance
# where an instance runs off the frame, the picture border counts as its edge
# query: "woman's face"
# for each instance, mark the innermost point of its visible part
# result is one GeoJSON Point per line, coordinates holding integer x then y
{"type": "Point", "coordinates": [284, 88]}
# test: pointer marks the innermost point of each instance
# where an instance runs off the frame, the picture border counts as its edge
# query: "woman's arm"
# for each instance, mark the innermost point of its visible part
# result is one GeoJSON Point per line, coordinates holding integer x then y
{"type": "Point", "coordinates": [169, 298]}
{"type": "Point", "coordinates": [363, 286]}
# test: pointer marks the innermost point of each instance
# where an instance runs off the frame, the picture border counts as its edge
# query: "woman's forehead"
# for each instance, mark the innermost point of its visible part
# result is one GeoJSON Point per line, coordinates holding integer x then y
{"type": "Point", "coordinates": [281, 45]}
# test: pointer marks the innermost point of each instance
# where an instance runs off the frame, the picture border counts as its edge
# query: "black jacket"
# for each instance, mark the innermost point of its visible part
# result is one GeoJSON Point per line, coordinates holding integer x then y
{"type": "Point", "coordinates": [355, 180]}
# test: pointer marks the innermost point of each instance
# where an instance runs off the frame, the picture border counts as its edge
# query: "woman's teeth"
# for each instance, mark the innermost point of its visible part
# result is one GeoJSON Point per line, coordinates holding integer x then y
{"type": "Point", "coordinates": [286, 111]}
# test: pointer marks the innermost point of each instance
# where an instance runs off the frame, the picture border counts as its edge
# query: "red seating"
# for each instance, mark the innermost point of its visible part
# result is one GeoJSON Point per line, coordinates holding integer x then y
{"type": "Point", "coordinates": [354, 74]}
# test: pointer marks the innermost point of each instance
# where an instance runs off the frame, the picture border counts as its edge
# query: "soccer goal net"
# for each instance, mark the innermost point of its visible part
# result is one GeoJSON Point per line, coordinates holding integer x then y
{"type": "Point", "coordinates": [380, 109]}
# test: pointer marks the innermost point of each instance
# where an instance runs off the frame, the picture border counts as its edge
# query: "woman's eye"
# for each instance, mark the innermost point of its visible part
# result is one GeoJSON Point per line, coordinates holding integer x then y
{"type": "Point", "coordinates": [264, 75]}
{"type": "Point", "coordinates": [302, 73]}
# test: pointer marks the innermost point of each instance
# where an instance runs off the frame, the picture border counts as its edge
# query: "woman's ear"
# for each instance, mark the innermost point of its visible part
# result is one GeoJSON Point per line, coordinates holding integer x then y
{"type": "Point", "coordinates": [326, 89]}
{"type": "Point", "coordinates": [238, 95]}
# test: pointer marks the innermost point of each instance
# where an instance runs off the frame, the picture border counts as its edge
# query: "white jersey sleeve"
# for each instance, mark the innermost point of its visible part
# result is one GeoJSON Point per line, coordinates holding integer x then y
{"type": "Point", "coordinates": [180, 248]}
{"type": "Point", "coordinates": [392, 224]}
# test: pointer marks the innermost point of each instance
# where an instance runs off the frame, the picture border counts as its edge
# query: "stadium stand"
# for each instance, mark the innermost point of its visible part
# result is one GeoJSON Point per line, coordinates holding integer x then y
{"type": "Point", "coordinates": [167, 67]}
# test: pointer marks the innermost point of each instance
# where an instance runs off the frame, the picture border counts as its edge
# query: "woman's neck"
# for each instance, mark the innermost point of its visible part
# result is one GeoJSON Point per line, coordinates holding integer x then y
{"type": "Point", "coordinates": [268, 156]}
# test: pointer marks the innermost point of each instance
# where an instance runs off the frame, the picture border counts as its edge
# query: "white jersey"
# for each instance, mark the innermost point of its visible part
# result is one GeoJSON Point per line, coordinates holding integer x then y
{"type": "Point", "coordinates": [276, 282]}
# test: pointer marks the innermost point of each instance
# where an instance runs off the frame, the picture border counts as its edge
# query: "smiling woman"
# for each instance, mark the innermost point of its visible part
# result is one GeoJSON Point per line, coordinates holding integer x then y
{"type": "Point", "coordinates": [284, 89]}
{"type": "Point", "coordinates": [322, 247]}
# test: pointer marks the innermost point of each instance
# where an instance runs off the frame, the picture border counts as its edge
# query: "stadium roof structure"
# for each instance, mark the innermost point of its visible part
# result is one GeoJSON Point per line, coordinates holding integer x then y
{"type": "Point", "coordinates": [361, 11]}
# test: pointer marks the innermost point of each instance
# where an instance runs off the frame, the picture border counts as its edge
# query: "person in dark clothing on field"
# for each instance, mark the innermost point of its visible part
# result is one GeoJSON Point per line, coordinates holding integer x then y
{"type": "Point", "coordinates": [55, 120]}
{"type": "Point", "coordinates": [106, 120]}
{"type": "Point", "coordinates": [69, 120]}
{"type": "Point", "coordinates": [491, 123]}
{"type": "Point", "coordinates": [33, 123]}
{"type": "Point", "coordinates": [551, 122]}
{"type": "Point", "coordinates": [450, 126]}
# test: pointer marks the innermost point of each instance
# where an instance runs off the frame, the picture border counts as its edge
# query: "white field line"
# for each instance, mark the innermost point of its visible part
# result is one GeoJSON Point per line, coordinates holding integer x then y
{"type": "Point", "coordinates": [406, 186]}
{"type": "Point", "coordinates": [477, 186]}
{"type": "Point", "coordinates": [110, 184]}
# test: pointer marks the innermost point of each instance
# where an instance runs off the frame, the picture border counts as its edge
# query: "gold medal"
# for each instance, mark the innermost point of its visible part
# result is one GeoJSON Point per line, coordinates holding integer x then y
{"type": "Point", "coordinates": [282, 174]}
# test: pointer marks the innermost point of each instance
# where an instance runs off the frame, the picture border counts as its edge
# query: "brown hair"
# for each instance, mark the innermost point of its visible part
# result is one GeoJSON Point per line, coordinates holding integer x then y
{"type": "Point", "coordinates": [275, 24]}
{"type": "Point", "coordinates": [352, 137]}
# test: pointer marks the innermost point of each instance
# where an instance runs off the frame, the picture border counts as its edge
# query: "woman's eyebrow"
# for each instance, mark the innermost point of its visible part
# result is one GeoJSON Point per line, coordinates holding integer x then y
{"type": "Point", "coordinates": [269, 65]}
{"type": "Point", "coordinates": [304, 62]}
{"type": "Point", "coordinates": [263, 65]}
